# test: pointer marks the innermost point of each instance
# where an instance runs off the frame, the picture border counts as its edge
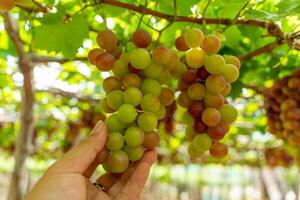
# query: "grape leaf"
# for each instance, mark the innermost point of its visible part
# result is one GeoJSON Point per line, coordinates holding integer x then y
{"type": "Point", "coordinates": [62, 37]}
{"type": "Point", "coordinates": [232, 35]}
{"type": "Point", "coordinates": [289, 7]}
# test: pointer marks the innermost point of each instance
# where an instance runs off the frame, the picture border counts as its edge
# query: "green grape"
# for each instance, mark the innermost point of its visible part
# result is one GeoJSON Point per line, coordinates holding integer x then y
{"type": "Point", "coordinates": [195, 58]}
{"type": "Point", "coordinates": [131, 80]}
{"type": "Point", "coordinates": [190, 133]}
{"type": "Point", "coordinates": [211, 117]}
{"type": "Point", "coordinates": [117, 162]}
{"type": "Point", "coordinates": [184, 100]}
{"type": "Point", "coordinates": [140, 58]}
{"type": "Point", "coordinates": [150, 103]}
{"type": "Point", "coordinates": [134, 153]}
{"type": "Point", "coordinates": [214, 64]}
{"type": "Point", "coordinates": [226, 90]}
{"type": "Point", "coordinates": [127, 113]}
{"type": "Point", "coordinates": [115, 141]}
{"type": "Point", "coordinates": [150, 86]}
{"type": "Point", "coordinates": [115, 99]}
{"type": "Point", "coordinates": [196, 91]}
{"type": "Point", "coordinates": [111, 83]}
{"type": "Point", "coordinates": [153, 71]}
{"type": "Point", "coordinates": [202, 142]}
{"type": "Point", "coordinates": [114, 124]}
{"type": "Point", "coordinates": [194, 153]}
{"type": "Point", "coordinates": [215, 83]}
{"type": "Point", "coordinates": [151, 140]}
{"type": "Point", "coordinates": [134, 136]}
{"type": "Point", "coordinates": [147, 121]}
{"type": "Point", "coordinates": [230, 73]}
{"type": "Point", "coordinates": [193, 38]}
{"type": "Point", "coordinates": [232, 60]}
{"type": "Point", "coordinates": [161, 112]}
{"type": "Point", "coordinates": [228, 113]}
{"type": "Point", "coordinates": [120, 68]}
{"type": "Point", "coordinates": [133, 96]}
{"type": "Point", "coordinates": [215, 100]}
{"type": "Point", "coordinates": [211, 44]}
{"type": "Point", "coordinates": [105, 107]}
{"type": "Point", "coordinates": [164, 76]}
{"type": "Point", "coordinates": [161, 55]}
{"type": "Point", "coordinates": [179, 70]}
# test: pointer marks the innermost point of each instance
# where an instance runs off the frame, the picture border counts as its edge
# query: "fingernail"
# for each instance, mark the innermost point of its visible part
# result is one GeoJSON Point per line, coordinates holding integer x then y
{"type": "Point", "coordinates": [97, 128]}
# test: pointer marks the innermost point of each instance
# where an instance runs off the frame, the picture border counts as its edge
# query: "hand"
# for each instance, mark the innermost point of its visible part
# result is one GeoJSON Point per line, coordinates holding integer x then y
{"type": "Point", "coordinates": [69, 178]}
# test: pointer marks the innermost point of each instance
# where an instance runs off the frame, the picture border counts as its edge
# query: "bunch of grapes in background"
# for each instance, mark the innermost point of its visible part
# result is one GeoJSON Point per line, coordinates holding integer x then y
{"type": "Point", "coordinates": [278, 157]}
{"type": "Point", "coordinates": [204, 87]}
{"type": "Point", "coordinates": [136, 95]}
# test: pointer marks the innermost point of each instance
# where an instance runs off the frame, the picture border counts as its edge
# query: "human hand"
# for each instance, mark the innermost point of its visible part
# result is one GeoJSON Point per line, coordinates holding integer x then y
{"type": "Point", "coordinates": [69, 177]}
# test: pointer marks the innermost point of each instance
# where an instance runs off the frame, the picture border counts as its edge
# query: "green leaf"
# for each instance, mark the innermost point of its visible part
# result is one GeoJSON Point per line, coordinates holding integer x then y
{"type": "Point", "coordinates": [232, 35]}
{"type": "Point", "coordinates": [259, 14]}
{"type": "Point", "coordinates": [62, 37]}
{"type": "Point", "coordinates": [289, 7]}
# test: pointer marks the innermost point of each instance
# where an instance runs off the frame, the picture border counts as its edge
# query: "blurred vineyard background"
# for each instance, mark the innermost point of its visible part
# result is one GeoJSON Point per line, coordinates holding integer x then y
{"type": "Point", "coordinates": [50, 94]}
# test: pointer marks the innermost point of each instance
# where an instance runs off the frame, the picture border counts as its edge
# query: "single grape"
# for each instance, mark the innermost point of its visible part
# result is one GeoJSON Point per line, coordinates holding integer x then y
{"type": "Point", "coordinates": [120, 68]}
{"type": "Point", "coordinates": [180, 44]}
{"type": "Point", "coordinates": [115, 141]}
{"type": "Point", "coordinates": [133, 96]}
{"type": "Point", "coordinates": [232, 60]}
{"type": "Point", "coordinates": [153, 70]}
{"type": "Point", "coordinates": [189, 77]}
{"type": "Point", "coordinates": [147, 121]}
{"type": "Point", "coordinates": [194, 153]}
{"type": "Point", "coordinates": [111, 83]}
{"type": "Point", "coordinates": [150, 103]}
{"type": "Point", "coordinates": [215, 83]}
{"type": "Point", "coordinates": [202, 73]}
{"type": "Point", "coordinates": [218, 132]}
{"type": "Point", "coordinates": [193, 38]}
{"type": "Point", "coordinates": [127, 113]}
{"type": "Point", "coordinates": [179, 70]}
{"type": "Point", "coordinates": [195, 58]}
{"type": "Point", "coordinates": [218, 150]}
{"type": "Point", "coordinates": [166, 96]}
{"type": "Point", "coordinates": [211, 117]}
{"type": "Point", "coordinates": [164, 77]}
{"type": "Point", "coordinates": [196, 91]}
{"type": "Point", "coordinates": [202, 142]}
{"type": "Point", "coordinates": [150, 86]}
{"type": "Point", "coordinates": [215, 100]}
{"type": "Point", "coordinates": [131, 80]}
{"type": "Point", "coordinates": [199, 126]}
{"type": "Point", "coordinates": [211, 44]}
{"type": "Point", "coordinates": [161, 55]}
{"type": "Point", "coordinates": [117, 162]}
{"type": "Point", "coordinates": [161, 112]}
{"type": "Point", "coordinates": [230, 73]}
{"type": "Point", "coordinates": [141, 38]}
{"type": "Point", "coordinates": [107, 40]}
{"type": "Point", "coordinates": [134, 136]}
{"type": "Point", "coordinates": [115, 99]}
{"type": "Point", "coordinates": [190, 133]}
{"type": "Point", "coordinates": [140, 58]}
{"type": "Point", "coordinates": [228, 113]}
{"type": "Point", "coordinates": [151, 140]}
{"type": "Point", "coordinates": [214, 64]}
{"type": "Point", "coordinates": [93, 54]}
{"type": "Point", "coordinates": [184, 100]}
{"type": "Point", "coordinates": [196, 108]}
{"type": "Point", "coordinates": [105, 107]}
{"type": "Point", "coordinates": [114, 124]}
{"type": "Point", "coordinates": [105, 62]}
{"type": "Point", "coordinates": [226, 90]}
{"type": "Point", "coordinates": [134, 153]}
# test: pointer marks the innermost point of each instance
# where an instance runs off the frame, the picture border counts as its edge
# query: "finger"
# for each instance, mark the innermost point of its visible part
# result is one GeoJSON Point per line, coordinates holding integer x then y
{"type": "Point", "coordinates": [94, 193]}
{"type": "Point", "coordinates": [138, 179]}
{"type": "Point", "coordinates": [101, 158]}
{"type": "Point", "coordinates": [78, 159]}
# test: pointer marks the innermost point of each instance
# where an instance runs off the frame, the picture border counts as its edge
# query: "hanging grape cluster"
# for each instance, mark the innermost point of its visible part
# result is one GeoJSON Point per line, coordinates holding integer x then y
{"type": "Point", "coordinates": [138, 92]}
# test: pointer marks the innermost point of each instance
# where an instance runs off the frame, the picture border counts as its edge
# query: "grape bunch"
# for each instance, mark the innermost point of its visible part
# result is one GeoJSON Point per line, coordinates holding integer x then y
{"type": "Point", "coordinates": [204, 86]}
{"type": "Point", "coordinates": [136, 95]}
{"type": "Point", "coordinates": [278, 157]}
{"type": "Point", "coordinates": [283, 108]}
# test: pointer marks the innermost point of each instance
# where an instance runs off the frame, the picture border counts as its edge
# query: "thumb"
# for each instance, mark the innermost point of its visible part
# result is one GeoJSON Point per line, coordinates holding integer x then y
{"type": "Point", "coordinates": [78, 159]}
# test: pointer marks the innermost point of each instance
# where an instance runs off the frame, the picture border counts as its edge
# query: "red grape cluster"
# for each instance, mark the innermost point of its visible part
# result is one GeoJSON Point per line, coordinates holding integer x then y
{"type": "Point", "coordinates": [203, 89]}
{"type": "Point", "coordinates": [283, 108]}
{"type": "Point", "coordinates": [278, 157]}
